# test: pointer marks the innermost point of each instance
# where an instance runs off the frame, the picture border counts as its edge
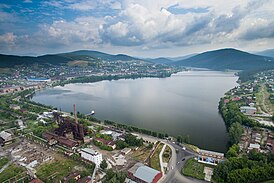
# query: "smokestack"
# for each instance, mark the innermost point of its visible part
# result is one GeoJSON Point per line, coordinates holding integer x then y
{"type": "Point", "coordinates": [75, 115]}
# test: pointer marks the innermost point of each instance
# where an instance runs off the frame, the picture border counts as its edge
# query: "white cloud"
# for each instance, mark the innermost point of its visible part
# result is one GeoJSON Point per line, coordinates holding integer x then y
{"type": "Point", "coordinates": [118, 30]}
{"type": "Point", "coordinates": [149, 25]}
{"type": "Point", "coordinates": [84, 5]}
{"type": "Point", "coordinates": [8, 38]}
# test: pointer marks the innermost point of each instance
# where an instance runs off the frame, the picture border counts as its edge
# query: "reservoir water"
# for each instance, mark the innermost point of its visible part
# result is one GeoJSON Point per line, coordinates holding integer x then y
{"type": "Point", "coordinates": [184, 104]}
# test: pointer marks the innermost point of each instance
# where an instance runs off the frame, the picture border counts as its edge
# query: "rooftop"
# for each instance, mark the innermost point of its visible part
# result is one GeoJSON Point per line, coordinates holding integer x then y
{"type": "Point", "coordinates": [143, 172]}
{"type": "Point", "coordinates": [89, 151]}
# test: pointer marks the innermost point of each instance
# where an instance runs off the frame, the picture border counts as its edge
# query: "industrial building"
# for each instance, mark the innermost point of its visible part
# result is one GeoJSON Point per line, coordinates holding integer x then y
{"type": "Point", "coordinates": [92, 155]}
{"type": "Point", "coordinates": [53, 138]}
{"type": "Point", "coordinates": [210, 157]}
{"type": "Point", "coordinates": [144, 174]}
{"type": "Point", "coordinates": [69, 132]}
{"type": "Point", "coordinates": [38, 79]}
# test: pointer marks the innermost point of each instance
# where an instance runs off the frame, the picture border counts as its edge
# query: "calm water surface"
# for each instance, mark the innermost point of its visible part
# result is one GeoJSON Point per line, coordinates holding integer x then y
{"type": "Point", "coordinates": [183, 104]}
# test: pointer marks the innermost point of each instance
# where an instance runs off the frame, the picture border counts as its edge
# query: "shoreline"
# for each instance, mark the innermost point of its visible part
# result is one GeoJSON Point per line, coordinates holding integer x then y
{"type": "Point", "coordinates": [123, 124]}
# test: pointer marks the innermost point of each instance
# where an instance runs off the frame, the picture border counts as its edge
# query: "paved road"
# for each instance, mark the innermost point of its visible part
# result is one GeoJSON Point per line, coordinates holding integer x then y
{"type": "Point", "coordinates": [174, 175]}
{"type": "Point", "coordinates": [176, 164]}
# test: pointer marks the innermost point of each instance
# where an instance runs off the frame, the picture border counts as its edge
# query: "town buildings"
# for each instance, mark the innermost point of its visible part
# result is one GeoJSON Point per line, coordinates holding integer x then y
{"type": "Point", "coordinates": [92, 155]}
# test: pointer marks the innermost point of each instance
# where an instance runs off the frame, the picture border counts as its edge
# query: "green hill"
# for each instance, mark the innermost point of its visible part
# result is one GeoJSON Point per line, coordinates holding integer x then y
{"type": "Point", "coordinates": [228, 59]}
{"type": "Point", "coordinates": [62, 58]}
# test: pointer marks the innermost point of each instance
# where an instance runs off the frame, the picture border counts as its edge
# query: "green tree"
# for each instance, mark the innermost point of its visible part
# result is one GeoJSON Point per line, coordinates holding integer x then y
{"type": "Point", "coordinates": [180, 139]}
{"type": "Point", "coordinates": [233, 151]}
{"type": "Point", "coordinates": [103, 165]}
{"type": "Point", "coordinates": [235, 131]}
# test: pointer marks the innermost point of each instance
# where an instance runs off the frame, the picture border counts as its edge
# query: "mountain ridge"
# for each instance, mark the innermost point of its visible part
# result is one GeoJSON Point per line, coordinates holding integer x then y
{"type": "Point", "coordinates": [228, 58]}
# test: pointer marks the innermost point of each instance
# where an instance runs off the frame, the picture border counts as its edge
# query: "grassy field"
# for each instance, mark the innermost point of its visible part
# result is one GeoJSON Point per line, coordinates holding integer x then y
{"type": "Point", "coordinates": [53, 172]}
{"type": "Point", "coordinates": [167, 154]}
{"type": "Point", "coordinates": [3, 161]}
{"type": "Point", "coordinates": [270, 181]}
{"type": "Point", "coordinates": [263, 102]}
{"type": "Point", "coordinates": [12, 171]}
{"type": "Point", "coordinates": [194, 169]}
{"type": "Point", "coordinates": [155, 161]}
{"type": "Point", "coordinates": [141, 154]}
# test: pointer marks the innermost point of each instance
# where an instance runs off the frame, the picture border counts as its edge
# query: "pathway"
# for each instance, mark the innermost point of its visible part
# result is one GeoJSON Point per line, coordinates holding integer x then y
{"type": "Point", "coordinates": [161, 159]}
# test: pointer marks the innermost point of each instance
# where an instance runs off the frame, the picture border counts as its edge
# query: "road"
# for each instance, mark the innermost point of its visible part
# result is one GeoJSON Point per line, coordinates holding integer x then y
{"type": "Point", "coordinates": [173, 174]}
{"type": "Point", "coordinates": [175, 166]}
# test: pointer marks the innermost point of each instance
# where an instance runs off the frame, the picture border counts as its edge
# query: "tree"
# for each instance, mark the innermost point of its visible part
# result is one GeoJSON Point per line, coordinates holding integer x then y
{"type": "Point", "coordinates": [132, 140]}
{"type": "Point", "coordinates": [121, 144]}
{"type": "Point", "coordinates": [180, 139]}
{"type": "Point", "coordinates": [235, 131]}
{"type": "Point", "coordinates": [103, 165]}
{"type": "Point", "coordinates": [233, 151]}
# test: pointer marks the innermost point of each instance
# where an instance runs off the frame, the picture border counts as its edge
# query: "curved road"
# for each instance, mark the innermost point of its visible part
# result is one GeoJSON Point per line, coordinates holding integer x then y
{"type": "Point", "coordinates": [175, 166]}
{"type": "Point", "coordinates": [175, 163]}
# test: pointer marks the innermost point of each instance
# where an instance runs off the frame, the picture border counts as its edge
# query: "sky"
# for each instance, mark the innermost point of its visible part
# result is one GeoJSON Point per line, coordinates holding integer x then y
{"type": "Point", "coordinates": [142, 28]}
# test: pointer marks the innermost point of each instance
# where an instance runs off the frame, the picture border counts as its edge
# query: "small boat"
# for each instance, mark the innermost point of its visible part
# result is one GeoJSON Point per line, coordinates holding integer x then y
{"type": "Point", "coordinates": [92, 112]}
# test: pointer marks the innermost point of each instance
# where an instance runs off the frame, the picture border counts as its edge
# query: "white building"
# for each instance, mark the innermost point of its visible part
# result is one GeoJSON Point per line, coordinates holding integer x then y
{"type": "Point", "coordinates": [254, 146]}
{"type": "Point", "coordinates": [248, 110]}
{"type": "Point", "coordinates": [92, 155]}
{"type": "Point", "coordinates": [115, 135]}
{"type": "Point", "coordinates": [5, 136]}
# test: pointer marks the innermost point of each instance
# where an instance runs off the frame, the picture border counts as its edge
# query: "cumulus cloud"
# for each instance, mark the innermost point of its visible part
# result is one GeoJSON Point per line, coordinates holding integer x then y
{"type": "Point", "coordinates": [146, 24]}
{"type": "Point", "coordinates": [8, 38]}
{"type": "Point", "coordinates": [257, 32]}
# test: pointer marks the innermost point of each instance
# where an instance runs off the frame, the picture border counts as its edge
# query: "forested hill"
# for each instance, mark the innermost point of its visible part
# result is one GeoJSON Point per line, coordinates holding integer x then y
{"type": "Point", "coordinates": [63, 58]}
{"type": "Point", "coordinates": [228, 59]}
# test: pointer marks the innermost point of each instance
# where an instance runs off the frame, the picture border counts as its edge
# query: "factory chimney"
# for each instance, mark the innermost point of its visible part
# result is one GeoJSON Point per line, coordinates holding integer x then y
{"type": "Point", "coordinates": [75, 115]}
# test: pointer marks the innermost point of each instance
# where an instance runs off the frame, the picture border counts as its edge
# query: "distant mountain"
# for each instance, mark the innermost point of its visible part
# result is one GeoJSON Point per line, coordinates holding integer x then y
{"type": "Point", "coordinates": [227, 59]}
{"type": "Point", "coordinates": [160, 60]}
{"type": "Point", "coordinates": [62, 58]}
{"type": "Point", "coordinates": [267, 53]}
{"type": "Point", "coordinates": [104, 56]}
{"type": "Point", "coordinates": [181, 57]}
{"type": "Point", "coordinates": [168, 60]}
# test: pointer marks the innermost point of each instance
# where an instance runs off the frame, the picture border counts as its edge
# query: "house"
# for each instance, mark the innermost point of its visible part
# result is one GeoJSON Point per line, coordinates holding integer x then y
{"type": "Point", "coordinates": [20, 123]}
{"type": "Point", "coordinates": [92, 155]}
{"type": "Point", "coordinates": [5, 138]}
{"type": "Point", "coordinates": [144, 174]}
{"type": "Point", "coordinates": [107, 142]}
{"type": "Point", "coordinates": [248, 110]}
{"type": "Point", "coordinates": [15, 107]}
{"type": "Point", "coordinates": [254, 146]}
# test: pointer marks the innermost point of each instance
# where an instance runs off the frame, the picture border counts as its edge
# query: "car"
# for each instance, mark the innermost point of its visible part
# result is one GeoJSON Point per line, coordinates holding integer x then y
{"type": "Point", "coordinates": [184, 148]}
{"type": "Point", "coordinates": [183, 159]}
{"type": "Point", "coordinates": [171, 167]}
{"type": "Point", "coordinates": [178, 162]}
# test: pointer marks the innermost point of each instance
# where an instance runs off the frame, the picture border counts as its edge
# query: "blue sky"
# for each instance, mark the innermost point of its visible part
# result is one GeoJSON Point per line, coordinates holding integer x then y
{"type": "Point", "coordinates": [144, 28]}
